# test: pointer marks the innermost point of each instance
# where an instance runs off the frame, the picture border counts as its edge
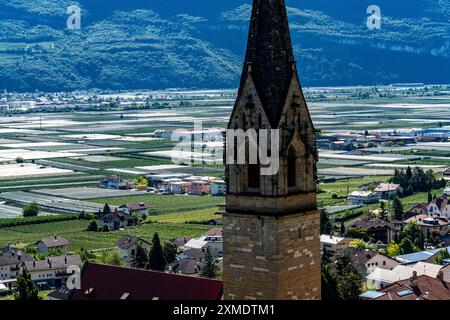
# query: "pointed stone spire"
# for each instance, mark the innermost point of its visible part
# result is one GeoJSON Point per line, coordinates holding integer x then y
{"type": "Point", "coordinates": [270, 56]}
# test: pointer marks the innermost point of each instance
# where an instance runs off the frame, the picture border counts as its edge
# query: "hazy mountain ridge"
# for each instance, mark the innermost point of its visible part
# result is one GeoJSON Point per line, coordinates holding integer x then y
{"type": "Point", "coordinates": [160, 44]}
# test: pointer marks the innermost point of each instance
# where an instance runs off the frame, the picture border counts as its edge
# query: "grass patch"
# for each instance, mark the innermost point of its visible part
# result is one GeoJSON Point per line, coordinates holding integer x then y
{"type": "Point", "coordinates": [163, 204]}
{"type": "Point", "coordinates": [74, 231]}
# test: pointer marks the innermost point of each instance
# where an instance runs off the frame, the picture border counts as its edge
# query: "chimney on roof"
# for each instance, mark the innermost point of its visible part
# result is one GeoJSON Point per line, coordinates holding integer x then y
{"type": "Point", "coordinates": [34, 263]}
{"type": "Point", "coordinates": [19, 256]}
{"type": "Point", "coordinates": [49, 263]}
{"type": "Point", "coordinates": [440, 276]}
{"type": "Point", "coordinates": [65, 259]}
{"type": "Point", "coordinates": [56, 237]}
{"type": "Point", "coordinates": [413, 280]}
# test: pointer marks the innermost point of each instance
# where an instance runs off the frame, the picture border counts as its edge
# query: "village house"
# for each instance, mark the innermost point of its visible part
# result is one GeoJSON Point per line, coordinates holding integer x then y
{"type": "Point", "coordinates": [439, 207]}
{"type": "Point", "coordinates": [415, 287]}
{"type": "Point", "coordinates": [53, 243]}
{"type": "Point", "coordinates": [53, 270]}
{"type": "Point", "coordinates": [117, 220]}
{"type": "Point", "coordinates": [176, 187]}
{"type": "Point", "coordinates": [359, 197]}
{"type": "Point", "coordinates": [358, 257]}
{"type": "Point", "coordinates": [186, 266]}
{"type": "Point", "coordinates": [333, 244]}
{"type": "Point", "coordinates": [192, 253]}
{"type": "Point", "coordinates": [418, 208]}
{"type": "Point", "coordinates": [388, 190]}
{"type": "Point", "coordinates": [381, 261]}
{"type": "Point", "coordinates": [446, 174]}
{"type": "Point", "coordinates": [127, 246]}
{"type": "Point", "coordinates": [431, 226]}
{"type": "Point", "coordinates": [105, 282]}
{"type": "Point", "coordinates": [10, 262]}
{"type": "Point", "coordinates": [199, 188]}
{"type": "Point", "coordinates": [214, 238]}
{"type": "Point", "coordinates": [218, 188]}
{"type": "Point", "coordinates": [180, 243]}
{"type": "Point", "coordinates": [136, 209]}
{"type": "Point", "coordinates": [377, 229]}
{"type": "Point", "coordinates": [380, 277]}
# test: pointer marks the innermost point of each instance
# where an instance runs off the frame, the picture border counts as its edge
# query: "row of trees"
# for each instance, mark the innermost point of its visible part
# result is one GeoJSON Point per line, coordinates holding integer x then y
{"type": "Point", "coordinates": [416, 180]}
{"type": "Point", "coordinates": [160, 256]}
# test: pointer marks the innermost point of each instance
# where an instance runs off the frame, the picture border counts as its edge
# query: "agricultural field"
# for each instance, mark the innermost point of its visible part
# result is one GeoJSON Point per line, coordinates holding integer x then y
{"type": "Point", "coordinates": [57, 158]}
{"type": "Point", "coordinates": [75, 232]}
{"type": "Point", "coordinates": [168, 204]}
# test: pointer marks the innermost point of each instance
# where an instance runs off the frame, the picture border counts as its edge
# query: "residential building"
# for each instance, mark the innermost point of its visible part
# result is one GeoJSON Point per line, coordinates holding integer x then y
{"type": "Point", "coordinates": [431, 226]}
{"type": "Point", "coordinates": [359, 197]}
{"type": "Point", "coordinates": [176, 187]}
{"type": "Point", "coordinates": [333, 244]}
{"type": "Point", "coordinates": [127, 248]}
{"type": "Point", "coordinates": [214, 237]}
{"type": "Point", "coordinates": [199, 188]}
{"type": "Point", "coordinates": [192, 253]}
{"type": "Point", "coordinates": [53, 243]}
{"type": "Point", "coordinates": [52, 271]}
{"type": "Point", "coordinates": [446, 174]}
{"type": "Point", "coordinates": [136, 209]}
{"type": "Point", "coordinates": [218, 188]}
{"type": "Point", "coordinates": [388, 190]}
{"type": "Point", "coordinates": [105, 282]}
{"type": "Point", "coordinates": [416, 287]}
{"type": "Point", "coordinates": [187, 266]}
{"type": "Point", "coordinates": [117, 220]}
{"type": "Point", "coordinates": [10, 262]}
{"type": "Point", "coordinates": [377, 229]}
{"type": "Point", "coordinates": [180, 243]}
{"type": "Point", "coordinates": [381, 261]}
{"type": "Point", "coordinates": [380, 277]}
{"type": "Point", "coordinates": [358, 257]}
{"type": "Point", "coordinates": [440, 207]}
{"type": "Point", "coordinates": [419, 208]}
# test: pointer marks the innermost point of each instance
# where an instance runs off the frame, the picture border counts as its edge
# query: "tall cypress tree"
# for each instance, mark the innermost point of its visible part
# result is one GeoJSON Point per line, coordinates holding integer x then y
{"type": "Point", "coordinates": [398, 209]}
{"type": "Point", "coordinates": [141, 257]}
{"type": "Point", "coordinates": [209, 269]}
{"type": "Point", "coordinates": [26, 289]}
{"type": "Point", "coordinates": [106, 209]}
{"type": "Point", "coordinates": [156, 259]}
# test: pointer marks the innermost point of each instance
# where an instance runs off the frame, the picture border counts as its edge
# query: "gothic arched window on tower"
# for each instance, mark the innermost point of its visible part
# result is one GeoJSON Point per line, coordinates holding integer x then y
{"type": "Point", "coordinates": [254, 176]}
{"type": "Point", "coordinates": [291, 168]}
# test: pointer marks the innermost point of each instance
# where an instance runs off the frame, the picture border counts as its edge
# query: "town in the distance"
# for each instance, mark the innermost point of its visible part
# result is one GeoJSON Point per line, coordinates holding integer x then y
{"type": "Point", "coordinates": [89, 189]}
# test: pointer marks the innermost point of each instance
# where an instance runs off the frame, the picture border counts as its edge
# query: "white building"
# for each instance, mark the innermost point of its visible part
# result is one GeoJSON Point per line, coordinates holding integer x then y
{"type": "Point", "coordinates": [380, 278]}
{"type": "Point", "coordinates": [127, 247]}
{"type": "Point", "coordinates": [388, 190]}
{"type": "Point", "coordinates": [381, 261]}
{"type": "Point", "coordinates": [333, 244]}
{"type": "Point", "coordinates": [363, 197]}
{"type": "Point", "coordinates": [11, 261]}
{"type": "Point", "coordinates": [53, 270]}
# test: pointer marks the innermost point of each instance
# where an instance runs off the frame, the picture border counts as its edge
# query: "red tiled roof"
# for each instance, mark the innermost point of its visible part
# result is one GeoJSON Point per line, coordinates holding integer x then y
{"type": "Point", "coordinates": [104, 282]}
{"type": "Point", "coordinates": [427, 288]}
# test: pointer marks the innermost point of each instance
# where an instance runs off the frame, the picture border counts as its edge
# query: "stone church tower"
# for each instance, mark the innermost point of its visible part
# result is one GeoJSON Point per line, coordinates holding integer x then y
{"type": "Point", "coordinates": [271, 222]}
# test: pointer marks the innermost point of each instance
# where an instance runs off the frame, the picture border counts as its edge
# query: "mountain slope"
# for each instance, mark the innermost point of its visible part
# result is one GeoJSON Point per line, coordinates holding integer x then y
{"type": "Point", "coordinates": [200, 43]}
